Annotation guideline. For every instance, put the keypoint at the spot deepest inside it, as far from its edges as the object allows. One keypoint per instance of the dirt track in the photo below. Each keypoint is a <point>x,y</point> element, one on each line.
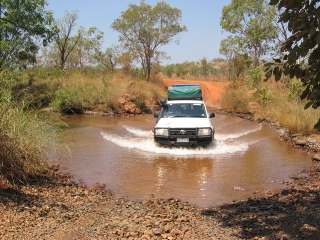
<point>212,91</point>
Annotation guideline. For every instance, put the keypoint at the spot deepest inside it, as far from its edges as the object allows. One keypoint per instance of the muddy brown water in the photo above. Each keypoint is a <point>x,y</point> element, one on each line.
<point>120,152</point>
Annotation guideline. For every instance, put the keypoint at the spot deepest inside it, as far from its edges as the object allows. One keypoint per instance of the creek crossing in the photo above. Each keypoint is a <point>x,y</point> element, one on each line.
<point>120,152</point>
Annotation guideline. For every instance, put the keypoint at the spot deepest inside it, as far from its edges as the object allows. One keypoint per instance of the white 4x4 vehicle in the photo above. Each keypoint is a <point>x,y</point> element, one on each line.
<point>183,119</point>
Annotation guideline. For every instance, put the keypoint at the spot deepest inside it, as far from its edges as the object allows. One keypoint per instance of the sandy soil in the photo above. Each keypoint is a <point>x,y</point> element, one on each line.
<point>212,91</point>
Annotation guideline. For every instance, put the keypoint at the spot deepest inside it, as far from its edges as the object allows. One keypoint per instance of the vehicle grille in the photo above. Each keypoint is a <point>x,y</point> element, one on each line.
<point>182,132</point>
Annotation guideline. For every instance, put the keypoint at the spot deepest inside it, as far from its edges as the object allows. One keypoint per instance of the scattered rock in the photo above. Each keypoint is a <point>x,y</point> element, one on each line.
<point>300,142</point>
<point>316,157</point>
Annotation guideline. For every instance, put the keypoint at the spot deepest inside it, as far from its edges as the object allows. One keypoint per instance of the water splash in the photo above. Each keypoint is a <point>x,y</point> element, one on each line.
<point>139,132</point>
<point>148,145</point>
<point>224,137</point>
<point>143,140</point>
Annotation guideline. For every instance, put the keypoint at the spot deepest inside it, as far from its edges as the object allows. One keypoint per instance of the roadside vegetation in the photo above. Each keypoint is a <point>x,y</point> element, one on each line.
<point>24,137</point>
<point>24,133</point>
<point>273,101</point>
<point>97,90</point>
<point>258,29</point>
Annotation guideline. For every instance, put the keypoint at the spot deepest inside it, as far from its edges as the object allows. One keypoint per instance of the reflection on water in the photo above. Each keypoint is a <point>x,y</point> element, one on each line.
<point>120,152</point>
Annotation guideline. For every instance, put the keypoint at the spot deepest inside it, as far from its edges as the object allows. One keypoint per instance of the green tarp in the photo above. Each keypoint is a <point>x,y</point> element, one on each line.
<point>185,92</point>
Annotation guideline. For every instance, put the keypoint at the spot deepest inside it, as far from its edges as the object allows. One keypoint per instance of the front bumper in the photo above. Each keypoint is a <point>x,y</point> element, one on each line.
<point>192,142</point>
<point>189,139</point>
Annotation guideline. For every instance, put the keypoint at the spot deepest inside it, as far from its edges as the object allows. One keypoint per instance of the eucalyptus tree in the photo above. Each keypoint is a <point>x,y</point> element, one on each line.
<point>89,42</point>
<point>64,39</point>
<point>252,26</point>
<point>24,26</point>
<point>109,58</point>
<point>144,29</point>
<point>238,60</point>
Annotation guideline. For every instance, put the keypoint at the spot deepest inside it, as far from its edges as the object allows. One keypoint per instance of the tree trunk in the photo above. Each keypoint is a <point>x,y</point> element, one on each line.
<point>256,60</point>
<point>148,68</point>
<point>62,61</point>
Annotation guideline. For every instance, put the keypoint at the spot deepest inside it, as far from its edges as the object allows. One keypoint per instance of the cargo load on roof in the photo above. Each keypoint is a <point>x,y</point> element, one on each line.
<point>185,92</point>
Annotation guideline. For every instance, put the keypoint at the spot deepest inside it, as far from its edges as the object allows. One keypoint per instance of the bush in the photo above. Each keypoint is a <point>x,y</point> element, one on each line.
<point>296,89</point>
<point>254,76</point>
<point>76,99</point>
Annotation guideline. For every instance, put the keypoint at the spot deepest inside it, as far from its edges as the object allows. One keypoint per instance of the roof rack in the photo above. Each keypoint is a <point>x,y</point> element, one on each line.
<point>181,85</point>
<point>185,92</point>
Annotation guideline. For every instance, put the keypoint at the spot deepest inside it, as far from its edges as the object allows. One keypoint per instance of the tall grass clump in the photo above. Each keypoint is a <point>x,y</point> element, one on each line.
<point>294,117</point>
<point>279,101</point>
<point>235,99</point>
<point>24,136</point>
<point>148,93</point>
<point>284,105</point>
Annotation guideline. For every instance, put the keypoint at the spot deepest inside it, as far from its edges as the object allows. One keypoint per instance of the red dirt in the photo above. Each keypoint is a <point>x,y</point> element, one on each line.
<point>212,91</point>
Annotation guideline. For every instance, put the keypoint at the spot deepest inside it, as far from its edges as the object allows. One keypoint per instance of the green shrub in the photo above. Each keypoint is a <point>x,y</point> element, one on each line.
<point>254,76</point>
<point>76,99</point>
<point>263,95</point>
<point>296,88</point>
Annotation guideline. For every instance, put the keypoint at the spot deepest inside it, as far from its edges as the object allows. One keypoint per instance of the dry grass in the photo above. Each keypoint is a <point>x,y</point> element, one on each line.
<point>235,99</point>
<point>79,92</point>
<point>275,103</point>
<point>290,114</point>
<point>295,118</point>
<point>24,136</point>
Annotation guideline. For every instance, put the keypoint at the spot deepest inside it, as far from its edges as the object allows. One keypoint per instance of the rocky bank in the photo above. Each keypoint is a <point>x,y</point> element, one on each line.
<point>56,208</point>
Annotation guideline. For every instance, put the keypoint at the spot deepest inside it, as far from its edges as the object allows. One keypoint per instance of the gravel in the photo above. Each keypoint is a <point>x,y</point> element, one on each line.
<point>56,208</point>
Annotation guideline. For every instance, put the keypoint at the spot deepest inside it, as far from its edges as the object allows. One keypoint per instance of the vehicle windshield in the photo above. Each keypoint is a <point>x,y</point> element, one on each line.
<point>184,110</point>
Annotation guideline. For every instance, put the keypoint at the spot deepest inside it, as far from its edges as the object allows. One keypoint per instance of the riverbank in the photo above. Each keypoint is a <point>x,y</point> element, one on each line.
<point>56,208</point>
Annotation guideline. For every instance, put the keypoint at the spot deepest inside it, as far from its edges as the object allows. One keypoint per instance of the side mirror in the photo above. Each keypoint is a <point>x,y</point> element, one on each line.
<point>163,101</point>
<point>212,115</point>
<point>156,115</point>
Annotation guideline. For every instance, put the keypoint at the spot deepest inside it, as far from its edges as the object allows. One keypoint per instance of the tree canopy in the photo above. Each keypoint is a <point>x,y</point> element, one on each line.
<point>251,25</point>
<point>144,28</point>
<point>301,50</point>
<point>64,40</point>
<point>22,25</point>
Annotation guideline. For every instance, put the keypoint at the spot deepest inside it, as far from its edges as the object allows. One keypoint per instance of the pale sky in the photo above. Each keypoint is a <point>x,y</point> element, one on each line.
<point>201,17</point>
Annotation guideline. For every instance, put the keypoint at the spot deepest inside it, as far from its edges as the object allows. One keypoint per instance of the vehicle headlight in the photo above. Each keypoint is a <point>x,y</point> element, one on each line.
<point>161,132</point>
<point>204,132</point>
